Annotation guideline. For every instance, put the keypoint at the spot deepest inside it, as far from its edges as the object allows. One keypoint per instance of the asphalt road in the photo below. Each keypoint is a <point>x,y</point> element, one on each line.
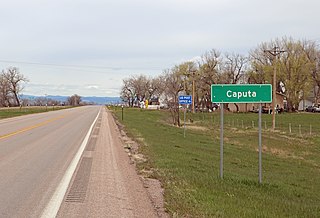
<point>68,163</point>
<point>35,152</point>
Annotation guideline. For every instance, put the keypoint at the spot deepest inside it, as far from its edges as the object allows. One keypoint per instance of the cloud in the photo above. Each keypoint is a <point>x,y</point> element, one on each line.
<point>92,87</point>
<point>134,37</point>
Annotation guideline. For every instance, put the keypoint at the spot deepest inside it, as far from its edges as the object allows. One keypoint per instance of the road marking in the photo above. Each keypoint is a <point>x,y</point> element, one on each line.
<point>54,204</point>
<point>30,127</point>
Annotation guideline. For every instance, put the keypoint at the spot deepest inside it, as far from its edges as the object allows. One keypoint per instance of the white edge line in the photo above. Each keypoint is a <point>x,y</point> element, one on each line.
<point>54,204</point>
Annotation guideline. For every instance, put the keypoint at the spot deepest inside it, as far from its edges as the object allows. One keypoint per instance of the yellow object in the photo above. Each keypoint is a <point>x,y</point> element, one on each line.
<point>147,103</point>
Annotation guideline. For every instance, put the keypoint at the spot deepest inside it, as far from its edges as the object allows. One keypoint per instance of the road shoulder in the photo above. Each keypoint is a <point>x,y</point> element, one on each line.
<point>106,183</point>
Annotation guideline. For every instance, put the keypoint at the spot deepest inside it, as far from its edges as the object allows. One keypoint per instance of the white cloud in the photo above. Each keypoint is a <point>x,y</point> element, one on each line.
<point>92,87</point>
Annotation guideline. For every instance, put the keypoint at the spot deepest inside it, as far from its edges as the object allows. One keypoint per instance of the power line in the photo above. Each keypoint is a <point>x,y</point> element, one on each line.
<point>79,66</point>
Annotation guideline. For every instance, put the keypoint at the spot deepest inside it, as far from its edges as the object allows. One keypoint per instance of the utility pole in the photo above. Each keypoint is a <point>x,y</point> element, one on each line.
<point>275,52</point>
<point>192,72</point>
<point>316,89</point>
<point>193,93</point>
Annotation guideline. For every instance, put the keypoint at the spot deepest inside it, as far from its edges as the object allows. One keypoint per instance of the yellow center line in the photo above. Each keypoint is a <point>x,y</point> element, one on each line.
<point>30,127</point>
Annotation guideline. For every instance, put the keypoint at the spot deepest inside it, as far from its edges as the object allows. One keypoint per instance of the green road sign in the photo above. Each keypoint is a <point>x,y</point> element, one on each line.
<point>243,93</point>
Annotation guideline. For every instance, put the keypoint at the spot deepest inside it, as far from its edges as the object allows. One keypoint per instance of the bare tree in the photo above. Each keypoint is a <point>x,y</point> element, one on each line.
<point>140,88</point>
<point>127,92</point>
<point>4,91</point>
<point>234,68</point>
<point>154,88</point>
<point>25,102</point>
<point>208,74</point>
<point>173,85</point>
<point>74,100</point>
<point>14,79</point>
<point>52,102</point>
<point>208,67</point>
<point>139,84</point>
<point>40,101</point>
<point>261,64</point>
<point>135,89</point>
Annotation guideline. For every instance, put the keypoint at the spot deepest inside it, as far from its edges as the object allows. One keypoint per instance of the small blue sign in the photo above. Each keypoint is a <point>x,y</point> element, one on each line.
<point>185,99</point>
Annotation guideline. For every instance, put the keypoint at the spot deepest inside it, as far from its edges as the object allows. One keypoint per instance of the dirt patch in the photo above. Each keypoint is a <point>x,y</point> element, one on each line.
<point>191,126</point>
<point>199,128</point>
<point>277,151</point>
<point>289,137</point>
<point>156,192</point>
<point>153,186</point>
<point>280,152</point>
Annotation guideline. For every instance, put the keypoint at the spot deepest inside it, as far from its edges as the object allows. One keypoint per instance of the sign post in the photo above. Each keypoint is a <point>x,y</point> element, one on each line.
<point>122,112</point>
<point>185,99</point>
<point>184,123</point>
<point>260,145</point>
<point>221,140</point>
<point>244,93</point>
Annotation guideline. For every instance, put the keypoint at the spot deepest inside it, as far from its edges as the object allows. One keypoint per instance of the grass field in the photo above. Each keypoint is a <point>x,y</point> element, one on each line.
<point>189,167</point>
<point>17,111</point>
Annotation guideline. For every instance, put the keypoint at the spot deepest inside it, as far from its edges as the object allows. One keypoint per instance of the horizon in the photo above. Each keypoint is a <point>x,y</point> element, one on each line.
<point>24,94</point>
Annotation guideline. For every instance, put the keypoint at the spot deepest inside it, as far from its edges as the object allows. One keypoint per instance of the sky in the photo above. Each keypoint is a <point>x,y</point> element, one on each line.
<point>87,47</point>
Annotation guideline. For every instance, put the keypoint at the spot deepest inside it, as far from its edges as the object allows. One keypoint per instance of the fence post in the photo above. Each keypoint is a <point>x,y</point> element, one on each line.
<point>122,112</point>
<point>252,124</point>
<point>310,129</point>
<point>290,128</point>
<point>300,130</point>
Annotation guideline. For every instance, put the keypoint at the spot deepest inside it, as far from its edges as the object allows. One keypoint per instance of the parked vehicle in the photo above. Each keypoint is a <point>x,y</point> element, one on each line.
<point>267,110</point>
<point>314,108</point>
<point>310,109</point>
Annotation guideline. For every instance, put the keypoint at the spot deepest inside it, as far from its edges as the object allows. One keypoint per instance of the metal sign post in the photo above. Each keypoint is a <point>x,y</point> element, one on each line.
<point>122,112</point>
<point>244,93</point>
<point>185,100</point>
<point>221,140</point>
<point>260,145</point>
<point>184,123</point>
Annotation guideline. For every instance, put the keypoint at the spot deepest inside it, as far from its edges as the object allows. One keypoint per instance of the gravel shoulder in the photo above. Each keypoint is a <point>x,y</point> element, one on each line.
<point>106,183</point>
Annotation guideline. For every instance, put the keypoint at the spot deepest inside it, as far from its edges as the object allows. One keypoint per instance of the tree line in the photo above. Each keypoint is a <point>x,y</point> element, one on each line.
<point>74,100</point>
<point>298,73</point>
<point>11,86</point>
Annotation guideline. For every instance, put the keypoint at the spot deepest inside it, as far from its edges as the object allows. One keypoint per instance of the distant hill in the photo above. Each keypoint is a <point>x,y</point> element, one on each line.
<point>102,100</point>
<point>92,99</point>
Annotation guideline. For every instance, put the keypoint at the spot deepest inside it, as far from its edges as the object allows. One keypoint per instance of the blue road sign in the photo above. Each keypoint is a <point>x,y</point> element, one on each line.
<point>185,99</point>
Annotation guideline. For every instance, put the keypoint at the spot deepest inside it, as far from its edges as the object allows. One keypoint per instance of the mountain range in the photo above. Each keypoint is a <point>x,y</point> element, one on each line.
<point>89,99</point>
